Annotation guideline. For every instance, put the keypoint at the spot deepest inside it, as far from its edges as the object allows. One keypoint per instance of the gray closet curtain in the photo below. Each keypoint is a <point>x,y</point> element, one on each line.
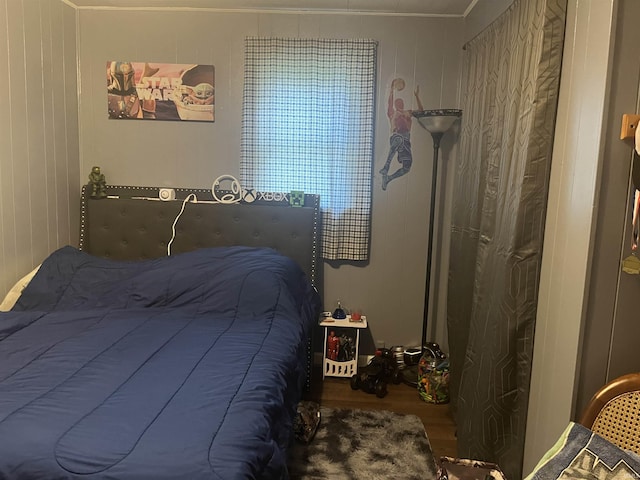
<point>510,89</point>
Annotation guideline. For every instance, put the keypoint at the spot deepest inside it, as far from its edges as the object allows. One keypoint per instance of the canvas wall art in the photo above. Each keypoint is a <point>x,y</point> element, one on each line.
<point>160,91</point>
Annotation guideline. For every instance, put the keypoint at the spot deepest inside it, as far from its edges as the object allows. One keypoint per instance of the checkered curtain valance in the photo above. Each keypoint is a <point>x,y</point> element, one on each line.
<point>307,124</point>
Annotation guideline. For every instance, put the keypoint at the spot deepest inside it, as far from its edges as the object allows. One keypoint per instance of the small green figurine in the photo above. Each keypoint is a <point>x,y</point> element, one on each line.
<point>97,183</point>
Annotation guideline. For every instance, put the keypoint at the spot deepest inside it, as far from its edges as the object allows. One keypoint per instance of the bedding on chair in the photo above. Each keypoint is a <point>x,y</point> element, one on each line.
<point>581,454</point>
<point>188,366</point>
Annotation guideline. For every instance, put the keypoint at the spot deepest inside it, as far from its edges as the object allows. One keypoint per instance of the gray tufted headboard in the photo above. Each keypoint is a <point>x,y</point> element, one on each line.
<point>130,226</point>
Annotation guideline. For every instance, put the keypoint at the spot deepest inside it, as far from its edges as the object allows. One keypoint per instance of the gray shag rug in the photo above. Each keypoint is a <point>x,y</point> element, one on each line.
<point>367,445</point>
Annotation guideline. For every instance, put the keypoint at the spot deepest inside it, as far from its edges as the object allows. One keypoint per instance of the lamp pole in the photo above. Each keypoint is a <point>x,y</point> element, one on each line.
<point>436,122</point>
<point>437,136</point>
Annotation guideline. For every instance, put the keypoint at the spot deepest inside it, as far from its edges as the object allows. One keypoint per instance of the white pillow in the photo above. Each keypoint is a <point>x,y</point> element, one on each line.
<point>14,294</point>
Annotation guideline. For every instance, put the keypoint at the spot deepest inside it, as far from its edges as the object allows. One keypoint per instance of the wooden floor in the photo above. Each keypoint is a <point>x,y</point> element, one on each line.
<point>437,419</point>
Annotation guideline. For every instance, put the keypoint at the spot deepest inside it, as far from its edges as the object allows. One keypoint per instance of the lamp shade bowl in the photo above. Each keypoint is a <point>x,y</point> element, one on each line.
<point>437,121</point>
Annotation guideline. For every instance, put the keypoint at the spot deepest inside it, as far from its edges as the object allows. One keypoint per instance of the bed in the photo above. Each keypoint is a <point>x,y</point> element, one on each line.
<point>121,362</point>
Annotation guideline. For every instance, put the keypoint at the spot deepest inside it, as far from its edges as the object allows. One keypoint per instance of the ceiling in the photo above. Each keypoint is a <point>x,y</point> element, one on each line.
<point>457,8</point>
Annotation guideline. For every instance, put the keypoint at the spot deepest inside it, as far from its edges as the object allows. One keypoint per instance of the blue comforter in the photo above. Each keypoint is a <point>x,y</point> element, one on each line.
<point>185,367</point>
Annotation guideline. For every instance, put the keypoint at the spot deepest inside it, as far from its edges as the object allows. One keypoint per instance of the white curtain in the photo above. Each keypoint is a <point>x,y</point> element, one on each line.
<point>307,125</point>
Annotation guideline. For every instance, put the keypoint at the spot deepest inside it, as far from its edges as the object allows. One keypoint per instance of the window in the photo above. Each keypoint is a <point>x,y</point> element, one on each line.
<point>308,118</point>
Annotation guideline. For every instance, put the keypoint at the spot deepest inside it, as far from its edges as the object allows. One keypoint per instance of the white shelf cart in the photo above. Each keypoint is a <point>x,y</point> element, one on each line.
<point>333,368</point>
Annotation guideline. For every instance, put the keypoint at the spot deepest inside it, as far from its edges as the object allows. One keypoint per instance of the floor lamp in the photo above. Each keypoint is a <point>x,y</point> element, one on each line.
<point>436,122</point>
